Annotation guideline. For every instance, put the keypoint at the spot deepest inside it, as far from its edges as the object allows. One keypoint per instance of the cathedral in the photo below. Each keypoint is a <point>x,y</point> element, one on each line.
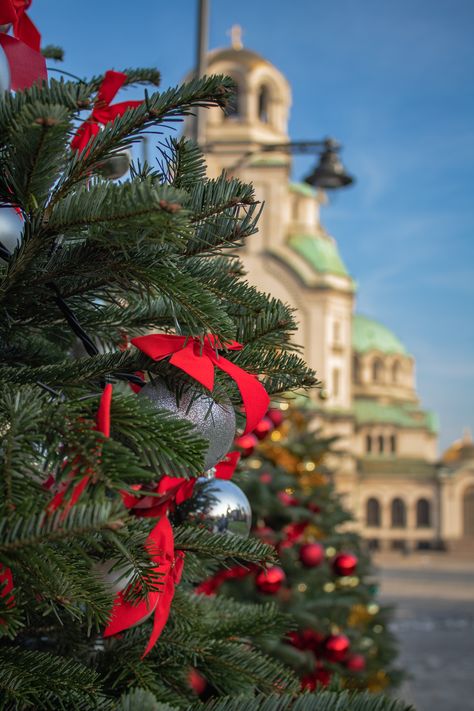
<point>401,494</point>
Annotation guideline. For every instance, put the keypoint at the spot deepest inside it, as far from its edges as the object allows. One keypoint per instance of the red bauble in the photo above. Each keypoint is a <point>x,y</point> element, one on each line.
<point>314,508</point>
<point>266,478</point>
<point>320,677</point>
<point>270,581</point>
<point>306,639</point>
<point>287,499</point>
<point>263,428</point>
<point>196,681</point>
<point>247,444</point>
<point>356,663</point>
<point>276,416</point>
<point>336,647</point>
<point>311,554</point>
<point>344,563</point>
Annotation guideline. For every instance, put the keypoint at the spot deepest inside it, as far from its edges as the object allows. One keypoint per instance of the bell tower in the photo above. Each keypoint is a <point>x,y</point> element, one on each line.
<point>257,116</point>
<point>292,257</point>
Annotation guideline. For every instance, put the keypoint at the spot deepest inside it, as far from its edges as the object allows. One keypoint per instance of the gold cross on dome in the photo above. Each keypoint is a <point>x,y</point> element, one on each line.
<point>235,33</point>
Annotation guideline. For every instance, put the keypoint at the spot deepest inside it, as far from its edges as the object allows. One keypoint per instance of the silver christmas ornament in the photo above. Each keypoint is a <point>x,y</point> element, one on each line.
<point>116,166</point>
<point>11,228</point>
<point>5,77</point>
<point>214,422</point>
<point>115,578</point>
<point>219,506</point>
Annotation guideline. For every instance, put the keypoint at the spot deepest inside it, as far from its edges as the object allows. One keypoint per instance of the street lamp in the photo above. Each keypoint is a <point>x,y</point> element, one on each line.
<point>329,173</point>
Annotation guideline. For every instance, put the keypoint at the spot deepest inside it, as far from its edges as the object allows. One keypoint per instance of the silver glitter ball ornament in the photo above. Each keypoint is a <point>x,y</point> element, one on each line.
<point>219,506</point>
<point>214,421</point>
<point>5,77</point>
<point>11,228</point>
<point>113,576</point>
<point>116,166</point>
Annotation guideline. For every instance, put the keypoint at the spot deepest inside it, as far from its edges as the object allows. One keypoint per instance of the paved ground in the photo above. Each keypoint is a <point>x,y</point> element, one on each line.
<point>434,622</point>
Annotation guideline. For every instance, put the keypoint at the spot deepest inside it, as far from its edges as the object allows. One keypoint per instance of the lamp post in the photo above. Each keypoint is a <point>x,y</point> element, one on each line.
<point>201,59</point>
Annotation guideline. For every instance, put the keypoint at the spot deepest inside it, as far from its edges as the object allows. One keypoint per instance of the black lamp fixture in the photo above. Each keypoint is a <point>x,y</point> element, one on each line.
<point>329,173</point>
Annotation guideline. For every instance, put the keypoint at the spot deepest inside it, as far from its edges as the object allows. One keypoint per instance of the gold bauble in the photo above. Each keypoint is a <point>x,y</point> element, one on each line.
<point>359,616</point>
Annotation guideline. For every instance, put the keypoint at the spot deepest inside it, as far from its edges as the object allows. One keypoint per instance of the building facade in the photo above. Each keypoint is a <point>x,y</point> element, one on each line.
<point>402,496</point>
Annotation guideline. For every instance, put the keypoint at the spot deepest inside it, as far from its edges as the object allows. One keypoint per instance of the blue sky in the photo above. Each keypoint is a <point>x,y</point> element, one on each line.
<point>393,81</point>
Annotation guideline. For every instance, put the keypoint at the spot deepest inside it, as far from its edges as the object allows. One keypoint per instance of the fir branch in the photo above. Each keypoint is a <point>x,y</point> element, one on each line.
<point>31,677</point>
<point>229,547</point>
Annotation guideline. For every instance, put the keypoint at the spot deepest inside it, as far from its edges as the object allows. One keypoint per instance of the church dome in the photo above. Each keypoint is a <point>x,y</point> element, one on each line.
<point>460,451</point>
<point>319,252</point>
<point>244,57</point>
<point>369,335</point>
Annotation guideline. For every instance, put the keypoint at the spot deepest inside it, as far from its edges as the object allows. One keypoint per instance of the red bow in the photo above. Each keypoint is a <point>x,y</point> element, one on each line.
<point>26,63</point>
<point>173,490</point>
<point>103,112</point>
<point>125,614</point>
<point>102,425</point>
<point>14,12</point>
<point>198,359</point>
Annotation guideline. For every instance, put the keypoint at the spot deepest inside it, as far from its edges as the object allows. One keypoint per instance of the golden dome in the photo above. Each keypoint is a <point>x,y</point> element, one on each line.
<point>460,450</point>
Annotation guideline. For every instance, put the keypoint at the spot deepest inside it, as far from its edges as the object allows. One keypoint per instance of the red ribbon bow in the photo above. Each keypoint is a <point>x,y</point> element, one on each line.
<point>198,359</point>
<point>14,12</point>
<point>103,112</point>
<point>103,426</point>
<point>173,490</point>
<point>26,63</point>
<point>125,614</point>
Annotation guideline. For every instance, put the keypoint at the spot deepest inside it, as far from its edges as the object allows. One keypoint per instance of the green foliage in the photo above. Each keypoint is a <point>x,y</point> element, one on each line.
<point>152,252</point>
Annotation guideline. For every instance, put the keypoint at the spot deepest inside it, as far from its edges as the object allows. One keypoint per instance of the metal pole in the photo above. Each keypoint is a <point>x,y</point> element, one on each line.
<point>201,59</point>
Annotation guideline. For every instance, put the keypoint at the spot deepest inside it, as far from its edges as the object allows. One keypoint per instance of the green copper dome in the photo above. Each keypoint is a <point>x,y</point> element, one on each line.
<point>369,335</point>
<point>319,252</point>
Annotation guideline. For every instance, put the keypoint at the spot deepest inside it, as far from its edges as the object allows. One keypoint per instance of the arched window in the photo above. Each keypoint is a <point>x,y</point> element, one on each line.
<point>396,371</point>
<point>399,514</point>
<point>381,443</point>
<point>368,444</point>
<point>377,370</point>
<point>423,513</point>
<point>373,513</point>
<point>393,444</point>
<point>233,108</point>
<point>263,104</point>
<point>356,369</point>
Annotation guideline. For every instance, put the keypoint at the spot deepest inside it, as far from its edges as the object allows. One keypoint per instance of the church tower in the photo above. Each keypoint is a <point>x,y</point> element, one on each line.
<point>386,468</point>
<point>292,257</point>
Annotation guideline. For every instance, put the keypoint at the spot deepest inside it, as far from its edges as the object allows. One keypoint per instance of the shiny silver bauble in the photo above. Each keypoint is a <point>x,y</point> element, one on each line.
<point>214,422</point>
<point>116,166</point>
<point>219,506</point>
<point>114,577</point>
<point>5,78</point>
<point>11,228</point>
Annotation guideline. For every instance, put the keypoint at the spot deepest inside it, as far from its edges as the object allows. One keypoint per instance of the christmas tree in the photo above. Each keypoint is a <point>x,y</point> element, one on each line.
<point>131,348</point>
<point>323,579</point>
